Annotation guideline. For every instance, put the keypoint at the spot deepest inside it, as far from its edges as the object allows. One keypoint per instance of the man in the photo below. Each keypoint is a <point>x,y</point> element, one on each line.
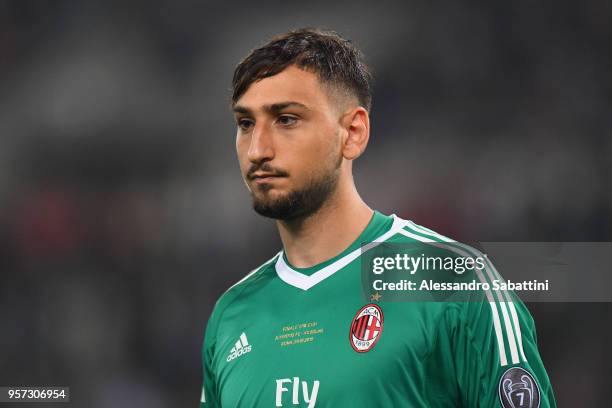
<point>298,331</point>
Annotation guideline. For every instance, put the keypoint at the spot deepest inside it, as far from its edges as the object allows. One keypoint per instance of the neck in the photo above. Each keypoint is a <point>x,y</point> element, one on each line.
<point>327,232</point>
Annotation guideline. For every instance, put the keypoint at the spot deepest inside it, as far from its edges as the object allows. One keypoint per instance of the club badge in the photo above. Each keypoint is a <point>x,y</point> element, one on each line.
<point>518,389</point>
<point>366,328</point>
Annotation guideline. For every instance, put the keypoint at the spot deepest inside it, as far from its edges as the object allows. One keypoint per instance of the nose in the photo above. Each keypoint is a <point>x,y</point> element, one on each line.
<point>261,148</point>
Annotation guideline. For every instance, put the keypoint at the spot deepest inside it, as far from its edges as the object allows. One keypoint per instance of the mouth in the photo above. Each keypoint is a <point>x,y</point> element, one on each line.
<point>264,178</point>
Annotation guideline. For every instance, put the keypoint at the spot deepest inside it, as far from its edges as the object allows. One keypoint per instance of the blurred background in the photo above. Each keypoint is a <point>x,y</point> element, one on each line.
<point>123,215</point>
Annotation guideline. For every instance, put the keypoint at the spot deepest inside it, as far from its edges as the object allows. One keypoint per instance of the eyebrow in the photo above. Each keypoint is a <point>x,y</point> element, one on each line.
<point>272,108</point>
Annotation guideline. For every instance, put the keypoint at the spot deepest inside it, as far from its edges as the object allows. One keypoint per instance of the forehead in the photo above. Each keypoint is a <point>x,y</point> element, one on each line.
<point>291,84</point>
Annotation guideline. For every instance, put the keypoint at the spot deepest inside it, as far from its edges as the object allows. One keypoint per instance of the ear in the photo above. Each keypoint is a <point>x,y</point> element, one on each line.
<point>356,123</point>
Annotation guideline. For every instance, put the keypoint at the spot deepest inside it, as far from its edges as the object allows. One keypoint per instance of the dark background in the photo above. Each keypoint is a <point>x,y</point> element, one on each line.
<point>123,215</point>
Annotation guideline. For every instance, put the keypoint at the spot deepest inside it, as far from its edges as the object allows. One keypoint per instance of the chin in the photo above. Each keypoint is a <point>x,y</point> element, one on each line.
<point>269,196</point>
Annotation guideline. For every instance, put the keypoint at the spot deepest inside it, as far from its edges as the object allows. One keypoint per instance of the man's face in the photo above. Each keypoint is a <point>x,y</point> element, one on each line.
<point>288,143</point>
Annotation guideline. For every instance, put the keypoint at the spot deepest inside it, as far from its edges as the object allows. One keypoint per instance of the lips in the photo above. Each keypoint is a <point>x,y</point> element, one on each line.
<point>263,175</point>
<point>264,178</point>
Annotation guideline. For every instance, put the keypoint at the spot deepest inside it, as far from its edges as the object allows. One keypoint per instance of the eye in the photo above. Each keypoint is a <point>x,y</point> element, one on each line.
<point>245,124</point>
<point>287,120</point>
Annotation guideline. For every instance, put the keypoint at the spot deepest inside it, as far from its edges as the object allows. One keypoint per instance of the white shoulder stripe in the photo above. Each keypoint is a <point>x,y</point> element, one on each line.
<point>493,274</point>
<point>496,322</point>
<point>518,329</point>
<point>503,300</point>
<point>503,361</point>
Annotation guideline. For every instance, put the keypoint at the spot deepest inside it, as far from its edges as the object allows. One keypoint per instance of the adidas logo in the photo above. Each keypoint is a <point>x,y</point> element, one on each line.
<point>241,347</point>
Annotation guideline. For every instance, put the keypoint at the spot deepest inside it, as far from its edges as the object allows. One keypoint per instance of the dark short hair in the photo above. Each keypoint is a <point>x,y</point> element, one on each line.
<point>335,60</point>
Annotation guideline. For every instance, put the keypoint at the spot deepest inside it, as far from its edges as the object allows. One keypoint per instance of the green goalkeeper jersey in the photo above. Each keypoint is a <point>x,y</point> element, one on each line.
<point>308,337</point>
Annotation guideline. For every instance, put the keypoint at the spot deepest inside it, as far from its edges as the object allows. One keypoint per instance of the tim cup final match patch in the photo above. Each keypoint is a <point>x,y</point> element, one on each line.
<point>366,328</point>
<point>518,389</point>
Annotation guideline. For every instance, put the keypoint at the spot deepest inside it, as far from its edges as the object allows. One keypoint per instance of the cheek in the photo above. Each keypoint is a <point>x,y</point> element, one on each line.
<point>239,144</point>
<point>241,152</point>
<point>328,151</point>
<point>319,142</point>
<point>317,156</point>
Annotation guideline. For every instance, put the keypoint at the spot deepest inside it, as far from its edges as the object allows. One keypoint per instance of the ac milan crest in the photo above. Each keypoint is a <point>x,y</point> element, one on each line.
<point>366,328</point>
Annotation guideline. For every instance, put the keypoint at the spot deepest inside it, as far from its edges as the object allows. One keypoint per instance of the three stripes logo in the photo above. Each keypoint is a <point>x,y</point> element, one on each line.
<point>241,347</point>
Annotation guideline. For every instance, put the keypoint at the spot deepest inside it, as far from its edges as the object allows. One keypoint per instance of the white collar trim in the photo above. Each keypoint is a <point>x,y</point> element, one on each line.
<point>305,282</point>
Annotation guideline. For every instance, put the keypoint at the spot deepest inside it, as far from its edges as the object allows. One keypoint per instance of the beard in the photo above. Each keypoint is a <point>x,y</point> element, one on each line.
<point>299,203</point>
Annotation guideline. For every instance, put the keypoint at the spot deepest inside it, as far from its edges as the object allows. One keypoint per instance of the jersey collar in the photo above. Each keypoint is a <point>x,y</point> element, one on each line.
<point>326,269</point>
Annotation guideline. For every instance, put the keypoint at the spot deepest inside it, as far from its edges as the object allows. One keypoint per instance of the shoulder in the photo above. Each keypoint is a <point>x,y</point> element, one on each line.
<point>404,230</point>
<point>498,316</point>
<point>249,279</point>
<point>413,232</point>
<point>252,278</point>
